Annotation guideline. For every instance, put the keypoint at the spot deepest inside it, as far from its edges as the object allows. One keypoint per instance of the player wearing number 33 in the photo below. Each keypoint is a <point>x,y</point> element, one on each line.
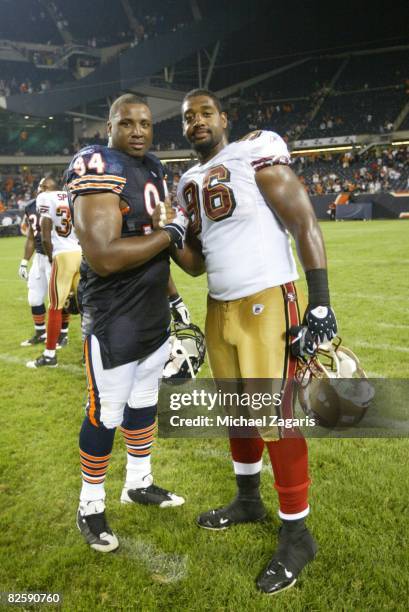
<point>241,199</point>
<point>125,238</point>
<point>62,248</point>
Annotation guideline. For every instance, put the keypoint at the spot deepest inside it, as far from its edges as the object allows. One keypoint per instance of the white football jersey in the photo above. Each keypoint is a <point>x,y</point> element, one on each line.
<point>54,205</point>
<point>245,246</point>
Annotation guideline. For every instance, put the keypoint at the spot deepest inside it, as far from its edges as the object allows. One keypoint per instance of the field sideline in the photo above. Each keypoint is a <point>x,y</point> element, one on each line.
<point>359,497</point>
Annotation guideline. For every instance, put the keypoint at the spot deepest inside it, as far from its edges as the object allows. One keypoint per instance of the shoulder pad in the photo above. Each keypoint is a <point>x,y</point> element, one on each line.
<point>264,148</point>
<point>251,135</point>
<point>95,169</point>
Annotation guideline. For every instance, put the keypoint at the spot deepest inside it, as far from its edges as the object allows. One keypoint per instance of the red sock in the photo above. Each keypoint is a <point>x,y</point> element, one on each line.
<point>289,458</point>
<point>53,328</point>
<point>246,450</point>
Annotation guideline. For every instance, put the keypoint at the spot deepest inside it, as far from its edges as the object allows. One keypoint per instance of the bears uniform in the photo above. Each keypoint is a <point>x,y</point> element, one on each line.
<point>32,219</point>
<point>129,311</point>
<point>38,277</point>
<point>126,319</point>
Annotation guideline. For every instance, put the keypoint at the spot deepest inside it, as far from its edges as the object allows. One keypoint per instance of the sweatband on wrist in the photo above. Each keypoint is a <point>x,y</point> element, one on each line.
<point>318,290</point>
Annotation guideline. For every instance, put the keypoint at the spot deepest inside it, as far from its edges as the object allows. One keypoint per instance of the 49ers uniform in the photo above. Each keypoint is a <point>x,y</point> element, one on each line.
<point>66,249</point>
<point>252,303</point>
<point>249,262</point>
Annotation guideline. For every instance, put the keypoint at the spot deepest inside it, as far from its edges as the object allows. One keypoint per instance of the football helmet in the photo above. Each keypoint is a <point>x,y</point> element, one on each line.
<point>332,386</point>
<point>187,353</point>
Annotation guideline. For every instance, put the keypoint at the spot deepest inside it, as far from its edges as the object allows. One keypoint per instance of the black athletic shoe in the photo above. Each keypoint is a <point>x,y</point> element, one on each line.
<point>91,522</point>
<point>62,341</point>
<point>151,495</point>
<point>43,361</point>
<point>238,511</point>
<point>296,548</point>
<point>36,339</point>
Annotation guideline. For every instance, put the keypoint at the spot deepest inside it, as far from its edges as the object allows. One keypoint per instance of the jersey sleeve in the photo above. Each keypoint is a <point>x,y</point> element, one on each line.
<point>45,205</point>
<point>96,170</point>
<point>265,149</point>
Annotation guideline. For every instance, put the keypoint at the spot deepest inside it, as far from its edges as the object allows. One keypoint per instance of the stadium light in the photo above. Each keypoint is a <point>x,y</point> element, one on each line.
<point>26,116</point>
<point>175,159</point>
<point>325,149</point>
<point>51,117</point>
<point>398,143</point>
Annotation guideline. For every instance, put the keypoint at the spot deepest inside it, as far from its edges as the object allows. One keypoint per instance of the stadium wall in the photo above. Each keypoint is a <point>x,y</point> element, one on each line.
<point>385,205</point>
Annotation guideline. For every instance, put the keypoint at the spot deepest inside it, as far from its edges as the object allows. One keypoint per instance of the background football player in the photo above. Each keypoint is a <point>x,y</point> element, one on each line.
<point>39,275</point>
<point>62,248</point>
<point>125,238</point>
<point>241,199</point>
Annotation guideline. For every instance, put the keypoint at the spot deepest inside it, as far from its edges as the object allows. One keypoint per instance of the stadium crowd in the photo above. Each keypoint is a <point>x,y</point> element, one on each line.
<point>377,170</point>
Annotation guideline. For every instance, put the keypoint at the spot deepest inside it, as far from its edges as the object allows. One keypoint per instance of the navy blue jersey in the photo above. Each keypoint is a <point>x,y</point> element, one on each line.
<point>128,311</point>
<point>33,220</point>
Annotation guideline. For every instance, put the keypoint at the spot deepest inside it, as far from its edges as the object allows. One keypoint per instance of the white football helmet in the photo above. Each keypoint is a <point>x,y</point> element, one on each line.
<point>187,354</point>
<point>333,387</point>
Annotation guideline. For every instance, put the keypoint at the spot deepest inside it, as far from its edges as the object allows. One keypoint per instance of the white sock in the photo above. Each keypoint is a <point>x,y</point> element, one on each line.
<point>49,353</point>
<point>138,472</point>
<point>92,492</point>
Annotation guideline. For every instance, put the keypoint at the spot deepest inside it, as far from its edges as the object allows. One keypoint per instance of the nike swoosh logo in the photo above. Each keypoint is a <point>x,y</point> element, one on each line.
<point>223,521</point>
<point>288,574</point>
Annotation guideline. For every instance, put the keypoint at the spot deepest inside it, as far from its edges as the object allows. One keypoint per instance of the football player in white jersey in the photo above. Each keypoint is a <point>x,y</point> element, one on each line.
<point>243,200</point>
<point>64,253</point>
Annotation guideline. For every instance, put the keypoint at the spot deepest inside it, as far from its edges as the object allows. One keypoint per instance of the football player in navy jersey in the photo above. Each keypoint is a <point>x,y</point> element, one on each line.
<point>39,275</point>
<point>125,237</point>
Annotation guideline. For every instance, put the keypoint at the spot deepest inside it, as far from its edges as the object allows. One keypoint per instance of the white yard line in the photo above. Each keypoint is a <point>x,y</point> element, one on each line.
<point>381,347</point>
<point>164,567</point>
<point>66,367</point>
<point>392,325</point>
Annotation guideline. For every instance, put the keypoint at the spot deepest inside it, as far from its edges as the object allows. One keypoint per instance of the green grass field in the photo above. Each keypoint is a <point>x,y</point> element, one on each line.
<point>359,497</point>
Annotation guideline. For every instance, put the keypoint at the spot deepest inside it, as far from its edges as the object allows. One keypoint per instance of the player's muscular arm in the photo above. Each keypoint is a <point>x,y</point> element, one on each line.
<point>98,224</point>
<point>46,226</point>
<point>287,197</point>
<point>190,258</point>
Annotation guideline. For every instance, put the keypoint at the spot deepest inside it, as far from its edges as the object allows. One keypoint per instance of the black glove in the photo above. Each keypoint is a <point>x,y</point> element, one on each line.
<point>179,310</point>
<point>177,229</point>
<point>319,316</point>
<point>321,322</point>
<point>302,343</point>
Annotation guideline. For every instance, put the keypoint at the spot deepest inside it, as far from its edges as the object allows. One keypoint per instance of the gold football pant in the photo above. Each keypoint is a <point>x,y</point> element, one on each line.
<point>65,274</point>
<point>248,339</point>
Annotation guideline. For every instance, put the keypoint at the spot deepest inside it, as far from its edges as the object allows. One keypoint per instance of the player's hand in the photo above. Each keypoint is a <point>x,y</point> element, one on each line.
<point>179,310</point>
<point>22,271</point>
<point>302,342</point>
<point>321,322</point>
<point>177,228</point>
<point>163,213</point>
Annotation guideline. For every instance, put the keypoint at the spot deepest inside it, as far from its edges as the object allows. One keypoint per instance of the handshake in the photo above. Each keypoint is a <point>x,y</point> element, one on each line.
<point>173,221</point>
